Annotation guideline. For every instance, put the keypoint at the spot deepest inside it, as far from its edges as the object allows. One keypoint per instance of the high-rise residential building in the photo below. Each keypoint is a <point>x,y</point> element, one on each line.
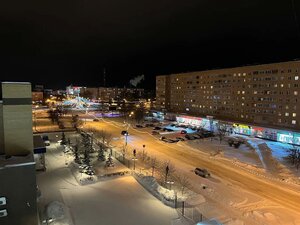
<point>266,94</point>
<point>17,166</point>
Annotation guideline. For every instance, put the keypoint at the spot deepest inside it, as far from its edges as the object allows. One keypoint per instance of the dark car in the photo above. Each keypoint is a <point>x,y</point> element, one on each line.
<point>180,138</point>
<point>162,138</point>
<point>139,126</point>
<point>189,137</point>
<point>124,132</point>
<point>149,125</point>
<point>183,131</point>
<point>154,132</point>
<point>169,130</point>
<point>157,128</point>
<point>202,172</point>
<point>96,120</point>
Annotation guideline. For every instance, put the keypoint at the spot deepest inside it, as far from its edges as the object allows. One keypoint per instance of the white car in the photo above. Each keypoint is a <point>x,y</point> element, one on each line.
<point>47,142</point>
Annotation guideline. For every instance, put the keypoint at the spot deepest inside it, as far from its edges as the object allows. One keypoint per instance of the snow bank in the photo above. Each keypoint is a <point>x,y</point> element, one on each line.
<point>151,185</point>
<point>163,194</point>
<point>279,150</point>
<point>57,214</point>
<point>55,210</point>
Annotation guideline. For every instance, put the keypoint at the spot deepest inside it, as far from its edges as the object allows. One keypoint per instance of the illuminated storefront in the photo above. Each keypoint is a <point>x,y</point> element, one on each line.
<point>242,129</point>
<point>197,122</point>
<point>288,137</point>
<point>260,132</point>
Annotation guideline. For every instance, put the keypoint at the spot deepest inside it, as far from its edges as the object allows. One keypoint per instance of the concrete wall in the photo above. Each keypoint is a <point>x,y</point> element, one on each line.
<point>1,133</point>
<point>18,185</point>
<point>17,118</point>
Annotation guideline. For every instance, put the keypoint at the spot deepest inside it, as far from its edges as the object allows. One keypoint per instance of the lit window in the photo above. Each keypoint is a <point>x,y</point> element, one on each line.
<point>296,77</point>
<point>242,116</point>
<point>275,85</point>
<point>295,92</point>
<point>211,87</point>
<point>287,114</point>
<point>281,85</point>
<point>294,122</point>
<point>294,114</point>
<point>243,104</point>
<point>279,120</point>
<point>255,92</point>
<point>238,92</point>
<point>243,92</point>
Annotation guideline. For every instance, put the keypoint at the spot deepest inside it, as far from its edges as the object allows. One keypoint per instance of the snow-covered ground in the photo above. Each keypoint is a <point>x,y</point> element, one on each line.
<point>110,202</point>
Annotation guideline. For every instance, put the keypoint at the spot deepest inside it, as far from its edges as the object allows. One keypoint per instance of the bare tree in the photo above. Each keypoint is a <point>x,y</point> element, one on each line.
<point>124,152</point>
<point>140,113</point>
<point>154,165</point>
<point>183,182</point>
<point>222,130</point>
<point>294,156</point>
<point>76,122</point>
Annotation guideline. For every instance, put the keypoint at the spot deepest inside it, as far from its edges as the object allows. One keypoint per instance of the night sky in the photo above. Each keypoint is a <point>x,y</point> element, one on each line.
<point>71,41</point>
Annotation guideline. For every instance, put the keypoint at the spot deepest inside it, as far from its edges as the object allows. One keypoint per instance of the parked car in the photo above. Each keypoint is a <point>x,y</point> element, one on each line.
<point>96,120</point>
<point>183,131</point>
<point>202,172</point>
<point>139,126</point>
<point>169,130</point>
<point>124,132</point>
<point>180,138</point>
<point>157,128</point>
<point>199,135</point>
<point>189,137</point>
<point>46,140</point>
<point>149,125</point>
<point>154,132</point>
<point>162,138</point>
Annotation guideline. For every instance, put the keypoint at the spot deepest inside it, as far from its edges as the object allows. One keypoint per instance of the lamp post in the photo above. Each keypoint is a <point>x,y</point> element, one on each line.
<point>170,182</point>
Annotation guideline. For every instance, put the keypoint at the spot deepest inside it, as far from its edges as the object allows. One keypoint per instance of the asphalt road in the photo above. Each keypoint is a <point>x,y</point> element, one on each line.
<point>284,195</point>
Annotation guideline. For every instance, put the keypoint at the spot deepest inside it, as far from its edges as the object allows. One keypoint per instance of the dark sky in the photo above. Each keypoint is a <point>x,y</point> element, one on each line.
<point>71,41</point>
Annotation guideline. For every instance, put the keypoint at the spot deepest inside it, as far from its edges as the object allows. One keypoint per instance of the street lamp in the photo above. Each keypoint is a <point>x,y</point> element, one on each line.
<point>170,182</point>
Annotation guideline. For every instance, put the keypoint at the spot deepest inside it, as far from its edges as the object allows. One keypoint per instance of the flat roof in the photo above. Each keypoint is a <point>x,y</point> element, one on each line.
<point>15,161</point>
<point>10,82</point>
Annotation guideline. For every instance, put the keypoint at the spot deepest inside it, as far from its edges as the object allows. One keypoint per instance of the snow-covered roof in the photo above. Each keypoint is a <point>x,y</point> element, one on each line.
<point>16,161</point>
<point>10,82</point>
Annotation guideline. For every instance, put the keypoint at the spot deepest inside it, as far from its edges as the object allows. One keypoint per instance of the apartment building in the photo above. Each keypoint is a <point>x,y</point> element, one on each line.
<point>266,94</point>
<point>106,94</point>
<point>17,166</point>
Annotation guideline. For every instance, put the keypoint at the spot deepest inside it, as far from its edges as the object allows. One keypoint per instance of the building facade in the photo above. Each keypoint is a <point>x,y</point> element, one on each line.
<point>18,203</point>
<point>267,94</point>
<point>106,94</point>
<point>37,96</point>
